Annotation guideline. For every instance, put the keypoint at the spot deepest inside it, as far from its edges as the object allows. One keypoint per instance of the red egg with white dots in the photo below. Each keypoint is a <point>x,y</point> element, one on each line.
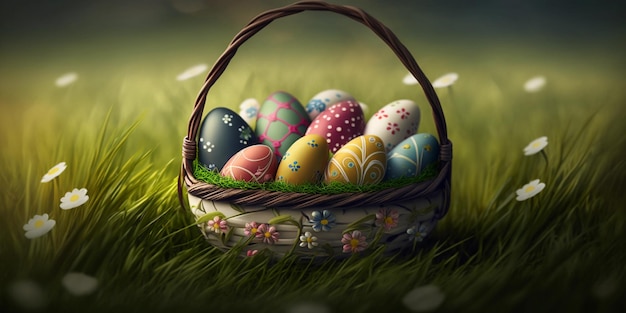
<point>339,124</point>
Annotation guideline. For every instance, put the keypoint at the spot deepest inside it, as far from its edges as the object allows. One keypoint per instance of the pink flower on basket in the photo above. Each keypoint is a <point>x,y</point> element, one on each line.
<point>218,225</point>
<point>252,229</point>
<point>353,242</point>
<point>387,218</point>
<point>268,233</point>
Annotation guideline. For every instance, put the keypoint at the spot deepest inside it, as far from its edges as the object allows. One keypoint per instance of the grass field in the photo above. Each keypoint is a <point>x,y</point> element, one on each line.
<point>119,128</point>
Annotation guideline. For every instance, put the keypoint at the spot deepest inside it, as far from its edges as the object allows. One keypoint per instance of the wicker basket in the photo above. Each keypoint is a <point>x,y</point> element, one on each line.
<point>335,220</point>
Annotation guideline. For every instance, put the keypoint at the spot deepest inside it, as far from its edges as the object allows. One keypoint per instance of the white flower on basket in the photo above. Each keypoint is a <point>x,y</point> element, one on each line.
<point>530,190</point>
<point>79,284</point>
<point>192,72</point>
<point>248,110</point>
<point>54,172</point>
<point>75,198</point>
<point>66,79</point>
<point>409,79</point>
<point>38,226</point>
<point>536,145</point>
<point>446,80</point>
<point>308,240</point>
<point>535,84</point>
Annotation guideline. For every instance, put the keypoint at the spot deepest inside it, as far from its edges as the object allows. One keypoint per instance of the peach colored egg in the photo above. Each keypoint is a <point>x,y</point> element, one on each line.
<point>255,163</point>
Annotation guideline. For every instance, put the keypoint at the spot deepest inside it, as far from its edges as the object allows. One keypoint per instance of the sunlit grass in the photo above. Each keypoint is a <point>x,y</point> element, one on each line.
<point>120,130</point>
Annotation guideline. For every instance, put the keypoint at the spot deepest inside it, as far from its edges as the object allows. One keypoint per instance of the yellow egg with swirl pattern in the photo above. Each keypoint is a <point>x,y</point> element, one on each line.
<point>362,161</point>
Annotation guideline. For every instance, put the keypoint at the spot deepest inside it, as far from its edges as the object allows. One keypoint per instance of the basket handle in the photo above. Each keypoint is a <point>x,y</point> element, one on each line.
<point>264,19</point>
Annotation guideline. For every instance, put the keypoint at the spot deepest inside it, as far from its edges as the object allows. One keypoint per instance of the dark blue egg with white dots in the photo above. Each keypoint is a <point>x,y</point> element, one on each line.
<point>325,99</point>
<point>222,134</point>
<point>411,156</point>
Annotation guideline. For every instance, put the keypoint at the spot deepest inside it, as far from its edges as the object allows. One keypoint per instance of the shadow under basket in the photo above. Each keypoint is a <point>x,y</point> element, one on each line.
<point>317,225</point>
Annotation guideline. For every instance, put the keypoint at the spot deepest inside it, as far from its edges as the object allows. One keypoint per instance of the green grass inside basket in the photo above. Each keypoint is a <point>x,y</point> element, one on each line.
<point>213,177</point>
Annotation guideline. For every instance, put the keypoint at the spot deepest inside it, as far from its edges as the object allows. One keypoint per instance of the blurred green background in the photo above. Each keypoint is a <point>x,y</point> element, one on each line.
<point>127,55</point>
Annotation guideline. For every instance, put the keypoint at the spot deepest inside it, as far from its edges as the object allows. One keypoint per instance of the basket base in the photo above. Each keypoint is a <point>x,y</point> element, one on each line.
<point>316,232</point>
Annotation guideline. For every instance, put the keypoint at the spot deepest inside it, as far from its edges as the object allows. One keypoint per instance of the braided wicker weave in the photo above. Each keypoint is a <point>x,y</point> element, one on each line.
<point>414,208</point>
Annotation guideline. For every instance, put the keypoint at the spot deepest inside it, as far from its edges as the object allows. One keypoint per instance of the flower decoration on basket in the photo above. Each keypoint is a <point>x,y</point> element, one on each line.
<point>321,179</point>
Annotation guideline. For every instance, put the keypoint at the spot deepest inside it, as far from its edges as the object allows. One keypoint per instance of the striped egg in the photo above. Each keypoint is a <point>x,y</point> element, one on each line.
<point>255,163</point>
<point>361,161</point>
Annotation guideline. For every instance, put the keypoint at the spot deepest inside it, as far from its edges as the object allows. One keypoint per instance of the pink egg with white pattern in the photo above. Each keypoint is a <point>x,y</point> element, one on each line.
<point>339,124</point>
<point>256,163</point>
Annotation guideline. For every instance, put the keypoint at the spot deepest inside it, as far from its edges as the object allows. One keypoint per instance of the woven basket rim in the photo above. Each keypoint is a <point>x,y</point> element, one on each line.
<point>267,198</point>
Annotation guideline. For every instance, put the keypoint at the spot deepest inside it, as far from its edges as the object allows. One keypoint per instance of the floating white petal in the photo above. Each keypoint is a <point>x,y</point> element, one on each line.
<point>530,190</point>
<point>424,298</point>
<point>28,295</point>
<point>308,307</point>
<point>445,80</point>
<point>38,226</point>
<point>409,79</point>
<point>54,172</point>
<point>66,79</point>
<point>75,198</point>
<point>79,284</point>
<point>536,145</point>
<point>535,84</point>
<point>192,72</point>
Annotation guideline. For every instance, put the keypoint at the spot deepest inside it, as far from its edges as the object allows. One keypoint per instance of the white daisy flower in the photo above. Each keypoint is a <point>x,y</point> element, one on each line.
<point>308,240</point>
<point>28,295</point>
<point>536,145</point>
<point>192,72</point>
<point>38,226</point>
<point>535,84</point>
<point>66,79</point>
<point>409,79</point>
<point>424,299</point>
<point>75,198</point>
<point>530,190</point>
<point>54,172</point>
<point>446,80</point>
<point>248,110</point>
<point>79,284</point>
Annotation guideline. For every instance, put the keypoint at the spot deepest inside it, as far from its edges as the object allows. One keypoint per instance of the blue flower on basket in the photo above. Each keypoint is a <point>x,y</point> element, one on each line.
<point>418,233</point>
<point>322,221</point>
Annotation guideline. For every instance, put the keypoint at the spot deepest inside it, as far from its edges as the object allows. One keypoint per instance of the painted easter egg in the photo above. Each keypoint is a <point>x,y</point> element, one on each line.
<point>325,99</point>
<point>280,122</point>
<point>339,124</point>
<point>304,162</point>
<point>394,122</point>
<point>255,163</point>
<point>411,156</point>
<point>361,161</point>
<point>222,134</point>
